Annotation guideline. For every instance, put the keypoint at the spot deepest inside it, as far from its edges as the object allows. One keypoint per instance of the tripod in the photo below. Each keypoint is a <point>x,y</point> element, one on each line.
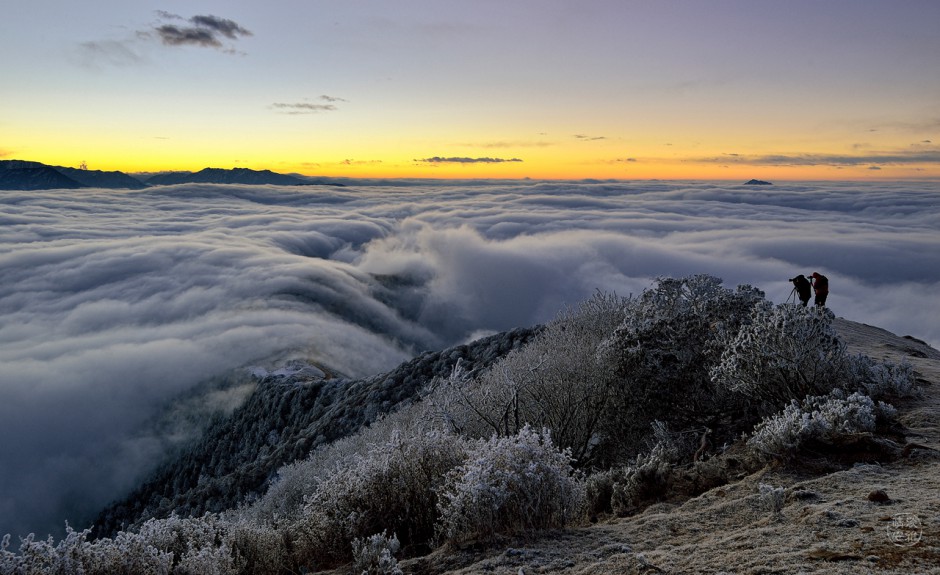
<point>792,298</point>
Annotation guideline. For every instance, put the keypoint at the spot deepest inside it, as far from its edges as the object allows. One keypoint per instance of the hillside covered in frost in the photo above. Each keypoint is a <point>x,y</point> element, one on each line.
<point>617,406</point>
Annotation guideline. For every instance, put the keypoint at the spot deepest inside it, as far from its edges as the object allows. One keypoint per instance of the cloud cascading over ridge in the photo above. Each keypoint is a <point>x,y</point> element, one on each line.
<point>114,303</point>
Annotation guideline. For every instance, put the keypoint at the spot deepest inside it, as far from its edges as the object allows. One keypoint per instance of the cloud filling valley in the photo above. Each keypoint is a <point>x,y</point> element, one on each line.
<point>114,303</point>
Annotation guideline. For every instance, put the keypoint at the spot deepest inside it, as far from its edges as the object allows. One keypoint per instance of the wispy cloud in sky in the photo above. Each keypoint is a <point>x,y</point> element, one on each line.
<point>205,31</point>
<point>503,144</point>
<point>920,155</point>
<point>110,52</point>
<point>465,160</point>
<point>171,30</point>
<point>307,107</point>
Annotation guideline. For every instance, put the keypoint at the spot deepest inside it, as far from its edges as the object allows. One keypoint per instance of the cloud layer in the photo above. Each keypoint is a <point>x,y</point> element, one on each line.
<point>114,303</point>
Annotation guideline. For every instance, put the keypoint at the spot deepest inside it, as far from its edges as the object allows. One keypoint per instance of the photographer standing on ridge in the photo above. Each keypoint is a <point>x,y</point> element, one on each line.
<point>821,287</point>
<point>802,287</point>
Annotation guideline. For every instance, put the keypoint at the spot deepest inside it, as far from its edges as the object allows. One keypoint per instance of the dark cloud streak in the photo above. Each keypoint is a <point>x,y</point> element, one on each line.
<point>306,107</point>
<point>464,160</point>
<point>303,108</point>
<point>205,31</point>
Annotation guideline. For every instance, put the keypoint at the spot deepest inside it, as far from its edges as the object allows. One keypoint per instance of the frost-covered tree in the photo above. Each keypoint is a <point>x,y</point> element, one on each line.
<point>783,353</point>
<point>557,382</point>
<point>662,353</point>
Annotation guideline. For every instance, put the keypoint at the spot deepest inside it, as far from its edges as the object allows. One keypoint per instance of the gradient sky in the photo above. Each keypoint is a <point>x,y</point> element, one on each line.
<point>835,89</point>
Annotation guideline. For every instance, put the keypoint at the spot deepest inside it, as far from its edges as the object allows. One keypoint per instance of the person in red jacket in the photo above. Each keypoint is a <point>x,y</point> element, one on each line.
<point>821,287</point>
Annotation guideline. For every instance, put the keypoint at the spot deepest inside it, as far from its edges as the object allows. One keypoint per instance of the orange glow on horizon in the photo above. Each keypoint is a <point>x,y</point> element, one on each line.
<point>549,163</point>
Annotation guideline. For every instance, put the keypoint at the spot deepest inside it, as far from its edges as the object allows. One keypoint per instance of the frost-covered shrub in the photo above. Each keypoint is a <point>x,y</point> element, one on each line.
<point>259,548</point>
<point>198,544</point>
<point>784,353</point>
<point>557,381</point>
<point>817,418</point>
<point>648,476</point>
<point>375,555</point>
<point>73,554</point>
<point>662,354</point>
<point>164,547</point>
<point>882,379</point>
<point>773,497</point>
<point>646,479</point>
<point>394,486</point>
<point>510,485</point>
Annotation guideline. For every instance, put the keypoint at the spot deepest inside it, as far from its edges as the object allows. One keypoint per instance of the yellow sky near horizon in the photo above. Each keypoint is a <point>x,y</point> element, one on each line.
<point>544,90</point>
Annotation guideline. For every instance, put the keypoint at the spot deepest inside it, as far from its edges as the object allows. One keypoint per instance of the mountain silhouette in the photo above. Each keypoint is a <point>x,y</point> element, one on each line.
<point>243,176</point>
<point>26,175</point>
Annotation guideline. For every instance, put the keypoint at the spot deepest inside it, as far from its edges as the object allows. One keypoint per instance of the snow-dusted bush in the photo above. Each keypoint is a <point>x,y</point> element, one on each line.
<point>259,548</point>
<point>784,353</point>
<point>773,497</point>
<point>884,378</point>
<point>817,418</point>
<point>199,544</point>
<point>393,486</point>
<point>647,477</point>
<point>556,382</point>
<point>375,555</point>
<point>662,353</point>
<point>171,546</point>
<point>510,485</point>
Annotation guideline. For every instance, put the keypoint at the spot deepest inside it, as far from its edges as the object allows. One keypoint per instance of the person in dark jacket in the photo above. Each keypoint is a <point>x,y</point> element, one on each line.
<point>803,288</point>
<point>821,287</point>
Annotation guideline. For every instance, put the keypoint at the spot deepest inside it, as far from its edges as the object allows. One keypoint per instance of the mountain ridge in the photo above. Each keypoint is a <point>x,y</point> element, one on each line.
<point>227,176</point>
<point>283,420</point>
<point>28,175</point>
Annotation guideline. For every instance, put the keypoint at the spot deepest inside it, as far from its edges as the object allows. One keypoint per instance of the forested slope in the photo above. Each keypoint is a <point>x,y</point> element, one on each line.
<point>282,421</point>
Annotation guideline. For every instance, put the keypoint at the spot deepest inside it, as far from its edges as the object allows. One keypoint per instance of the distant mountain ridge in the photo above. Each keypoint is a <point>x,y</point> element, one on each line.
<point>27,175</point>
<point>222,176</point>
<point>34,178</point>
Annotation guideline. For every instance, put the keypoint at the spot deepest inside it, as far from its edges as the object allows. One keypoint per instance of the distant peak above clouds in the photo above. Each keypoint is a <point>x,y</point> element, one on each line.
<point>26,175</point>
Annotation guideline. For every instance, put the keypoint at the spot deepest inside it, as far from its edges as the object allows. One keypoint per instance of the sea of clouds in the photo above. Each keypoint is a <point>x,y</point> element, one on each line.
<point>113,303</point>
